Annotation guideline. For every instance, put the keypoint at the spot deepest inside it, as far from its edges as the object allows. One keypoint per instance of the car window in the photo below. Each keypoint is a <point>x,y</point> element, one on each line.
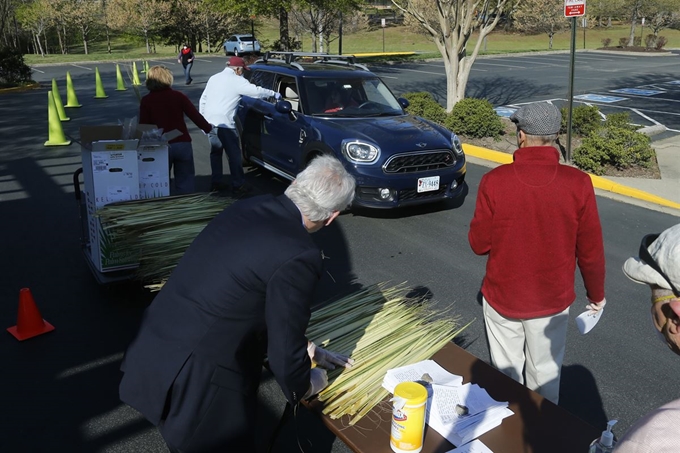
<point>262,79</point>
<point>247,38</point>
<point>288,88</point>
<point>350,97</point>
<point>233,38</point>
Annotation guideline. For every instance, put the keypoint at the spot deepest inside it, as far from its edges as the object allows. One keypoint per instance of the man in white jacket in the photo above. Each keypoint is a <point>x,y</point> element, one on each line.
<point>218,105</point>
<point>658,265</point>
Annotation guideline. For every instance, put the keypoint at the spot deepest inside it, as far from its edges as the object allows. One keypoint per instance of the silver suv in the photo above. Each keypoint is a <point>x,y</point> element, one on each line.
<point>241,44</point>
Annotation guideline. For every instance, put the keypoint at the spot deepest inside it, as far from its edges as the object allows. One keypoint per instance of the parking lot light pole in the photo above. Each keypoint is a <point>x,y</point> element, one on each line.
<point>567,156</point>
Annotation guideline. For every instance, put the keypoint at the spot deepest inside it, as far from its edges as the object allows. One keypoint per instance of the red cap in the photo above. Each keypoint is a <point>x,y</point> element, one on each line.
<point>237,62</point>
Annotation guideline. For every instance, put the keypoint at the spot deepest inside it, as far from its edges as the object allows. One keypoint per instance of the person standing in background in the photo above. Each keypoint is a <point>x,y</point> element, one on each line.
<point>218,104</point>
<point>536,220</point>
<point>186,57</point>
<point>166,108</point>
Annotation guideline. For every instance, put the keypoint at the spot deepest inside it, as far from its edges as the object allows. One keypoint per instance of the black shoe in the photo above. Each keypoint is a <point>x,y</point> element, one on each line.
<point>189,82</point>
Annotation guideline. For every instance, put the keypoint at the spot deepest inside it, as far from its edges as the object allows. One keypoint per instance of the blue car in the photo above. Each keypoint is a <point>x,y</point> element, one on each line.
<point>331,104</point>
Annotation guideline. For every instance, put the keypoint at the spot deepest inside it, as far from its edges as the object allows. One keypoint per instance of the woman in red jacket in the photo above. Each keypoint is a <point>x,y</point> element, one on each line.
<point>166,108</point>
<point>186,57</point>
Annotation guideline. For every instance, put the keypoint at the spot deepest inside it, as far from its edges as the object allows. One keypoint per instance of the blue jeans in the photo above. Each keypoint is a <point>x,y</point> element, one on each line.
<point>187,71</point>
<point>227,140</point>
<point>181,160</point>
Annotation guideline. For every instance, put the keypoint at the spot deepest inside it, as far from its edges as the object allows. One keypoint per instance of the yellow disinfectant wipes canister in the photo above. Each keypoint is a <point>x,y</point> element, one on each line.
<point>408,417</point>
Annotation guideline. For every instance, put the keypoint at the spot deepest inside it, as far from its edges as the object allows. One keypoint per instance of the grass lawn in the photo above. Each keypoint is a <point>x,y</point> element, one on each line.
<point>391,39</point>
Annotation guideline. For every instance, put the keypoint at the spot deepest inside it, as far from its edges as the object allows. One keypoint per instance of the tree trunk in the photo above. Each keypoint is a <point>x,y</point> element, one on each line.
<point>631,37</point>
<point>63,26</point>
<point>45,39</point>
<point>146,40</point>
<point>82,29</point>
<point>207,32</point>
<point>550,35</point>
<point>39,46</point>
<point>61,43</point>
<point>284,35</point>
<point>609,22</point>
<point>108,40</point>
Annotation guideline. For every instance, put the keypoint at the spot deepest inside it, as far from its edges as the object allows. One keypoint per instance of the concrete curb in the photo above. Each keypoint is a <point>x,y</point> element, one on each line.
<point>32,86</point>
<point>598,181</point>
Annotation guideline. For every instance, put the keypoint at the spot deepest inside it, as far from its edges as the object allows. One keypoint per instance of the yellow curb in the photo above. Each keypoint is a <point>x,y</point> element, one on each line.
<point>380,54</point>
<point>32,86</point>
<point>598,181</point>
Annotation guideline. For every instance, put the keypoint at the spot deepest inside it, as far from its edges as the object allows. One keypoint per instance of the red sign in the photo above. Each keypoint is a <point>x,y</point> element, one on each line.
<point>574,8</point>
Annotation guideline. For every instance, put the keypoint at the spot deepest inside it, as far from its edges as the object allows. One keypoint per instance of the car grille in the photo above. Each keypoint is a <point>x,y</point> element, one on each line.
<point>412,194</point>
<point>419,161</point>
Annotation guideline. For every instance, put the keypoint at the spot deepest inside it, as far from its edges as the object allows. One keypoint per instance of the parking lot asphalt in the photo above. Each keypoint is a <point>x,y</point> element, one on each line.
<point>60,388</point>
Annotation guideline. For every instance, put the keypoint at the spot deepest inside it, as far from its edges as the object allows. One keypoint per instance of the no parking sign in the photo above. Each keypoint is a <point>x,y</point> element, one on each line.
<point>574,8</point>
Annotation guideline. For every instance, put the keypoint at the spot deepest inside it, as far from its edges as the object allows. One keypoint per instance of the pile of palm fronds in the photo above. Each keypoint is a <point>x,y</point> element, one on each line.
<point>381,328</point>
<point>160,228</point>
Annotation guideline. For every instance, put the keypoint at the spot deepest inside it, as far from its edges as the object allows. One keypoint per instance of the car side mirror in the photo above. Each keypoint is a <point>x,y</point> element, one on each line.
<point>403,102</point>
<point>283,107</point>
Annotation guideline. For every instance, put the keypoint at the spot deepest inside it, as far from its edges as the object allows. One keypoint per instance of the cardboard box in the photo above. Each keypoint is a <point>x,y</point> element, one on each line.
<point>154,173</point>
<point>110,174</point>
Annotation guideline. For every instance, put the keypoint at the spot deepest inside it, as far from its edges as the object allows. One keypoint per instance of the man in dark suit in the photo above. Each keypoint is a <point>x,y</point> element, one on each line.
<point>243,289</point>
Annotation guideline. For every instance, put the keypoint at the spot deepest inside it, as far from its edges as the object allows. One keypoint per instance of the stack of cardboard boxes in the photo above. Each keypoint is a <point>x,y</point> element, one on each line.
<point>118,170</point>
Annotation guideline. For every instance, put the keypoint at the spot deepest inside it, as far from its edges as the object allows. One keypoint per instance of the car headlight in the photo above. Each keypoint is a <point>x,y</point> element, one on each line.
<point>360,152</point>
<point>457,145</point>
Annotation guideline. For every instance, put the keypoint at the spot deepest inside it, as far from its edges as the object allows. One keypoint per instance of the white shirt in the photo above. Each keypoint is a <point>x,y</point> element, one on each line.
<point>222,94</point>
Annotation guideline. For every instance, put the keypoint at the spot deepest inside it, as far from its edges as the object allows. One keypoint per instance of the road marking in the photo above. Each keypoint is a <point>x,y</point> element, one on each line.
<point>422,72</point>
<point>388,77</point>
<point>599,98</point>
<point>503,65</point>
<point>538,62</point>
<point>646,117</point>
<point>38,70</point>
<point>637,91</point>
<point>82,67</point>
<point>201,59</point>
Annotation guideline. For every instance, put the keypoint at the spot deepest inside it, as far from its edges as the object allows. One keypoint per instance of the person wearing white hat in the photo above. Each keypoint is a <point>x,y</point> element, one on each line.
<point>536,220</point>
<point>658,265</point>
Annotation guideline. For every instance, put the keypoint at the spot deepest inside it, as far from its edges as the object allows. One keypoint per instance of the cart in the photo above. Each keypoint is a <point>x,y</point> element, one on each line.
<point>103,278</point>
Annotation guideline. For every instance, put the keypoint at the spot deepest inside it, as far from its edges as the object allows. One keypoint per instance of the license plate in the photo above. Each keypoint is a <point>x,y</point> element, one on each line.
<point>428,184</point>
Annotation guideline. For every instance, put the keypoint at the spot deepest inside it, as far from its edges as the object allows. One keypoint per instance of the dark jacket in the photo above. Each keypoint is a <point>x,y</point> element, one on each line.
<point>185,55</point>
<point>243,287</point>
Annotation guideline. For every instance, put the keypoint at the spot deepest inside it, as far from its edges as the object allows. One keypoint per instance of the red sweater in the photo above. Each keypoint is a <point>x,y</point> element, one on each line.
<point>166,109</point>
<point>536,219</point>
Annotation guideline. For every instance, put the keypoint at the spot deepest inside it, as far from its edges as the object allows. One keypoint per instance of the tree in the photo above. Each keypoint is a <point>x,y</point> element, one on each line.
<point>321,18</point>
<point>660,14</point>
<point>541,16</point>
<point>35,18</point>
<point>633,7</point>
<point>85,15</point>
<point>450,23</point>
<point>139,17</point>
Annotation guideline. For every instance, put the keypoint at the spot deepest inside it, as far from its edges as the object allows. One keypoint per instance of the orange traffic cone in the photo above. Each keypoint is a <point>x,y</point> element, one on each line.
<point>29,321</point>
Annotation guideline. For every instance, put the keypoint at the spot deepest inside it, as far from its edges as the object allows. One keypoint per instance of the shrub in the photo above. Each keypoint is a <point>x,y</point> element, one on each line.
<point>637,41</point>
<point>613,146</point>
<point>650,41</point>
<point>661,41</point>
<point>619,120</point>
<point>424,105</point>
<point>13,70</point>
<point>585,119</point>
<point>474,118</point>
<point>623,42</point>
<point>606,42</point>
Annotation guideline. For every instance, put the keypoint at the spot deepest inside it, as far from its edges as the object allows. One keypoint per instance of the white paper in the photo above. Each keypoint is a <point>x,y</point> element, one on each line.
<point>414,372</point>
<point>476,446</point>
<point>587,320</point>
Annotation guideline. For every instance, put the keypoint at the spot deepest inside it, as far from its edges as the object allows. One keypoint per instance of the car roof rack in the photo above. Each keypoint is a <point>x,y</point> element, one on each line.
<point>293,59</point>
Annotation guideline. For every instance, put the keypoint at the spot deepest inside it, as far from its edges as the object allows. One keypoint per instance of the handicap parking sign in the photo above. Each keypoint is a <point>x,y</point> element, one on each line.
<point>505,112</point>
<point>599,98</point>
<point>637,91</point>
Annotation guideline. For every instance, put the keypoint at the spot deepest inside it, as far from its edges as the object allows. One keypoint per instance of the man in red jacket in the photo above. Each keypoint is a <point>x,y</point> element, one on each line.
<point>535,219</point>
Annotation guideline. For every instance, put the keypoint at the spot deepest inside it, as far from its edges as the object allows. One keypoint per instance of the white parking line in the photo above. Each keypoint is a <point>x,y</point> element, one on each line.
<point>536,62</point>
<point>503,65</point>
<point>646,117</point>
<point>201,59</point>
<point>422,72</point>
<point>38,70</point>
<point>82,67</point>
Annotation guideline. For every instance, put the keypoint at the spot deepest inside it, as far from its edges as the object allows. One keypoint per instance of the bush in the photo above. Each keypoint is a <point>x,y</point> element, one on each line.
<point>650,41</point>
<point>474,118</point>
<point>661,41</point>
<point>585,119</point>
<point>606,42</point>
<point>623,42</point>
<point>637,41</point>
<point>424,105</point>
<point>613,146</point>
<point>13,70</point>
<point>619,120</point>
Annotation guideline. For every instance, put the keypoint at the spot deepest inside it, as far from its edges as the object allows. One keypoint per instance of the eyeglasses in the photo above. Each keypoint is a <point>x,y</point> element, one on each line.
<point>646,257</point>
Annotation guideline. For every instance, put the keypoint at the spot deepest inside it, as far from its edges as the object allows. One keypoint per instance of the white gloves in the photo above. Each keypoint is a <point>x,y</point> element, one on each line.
<point>318,380</point>
<point>328,359</point>
<point>277,96</point>
<point>596,306</point>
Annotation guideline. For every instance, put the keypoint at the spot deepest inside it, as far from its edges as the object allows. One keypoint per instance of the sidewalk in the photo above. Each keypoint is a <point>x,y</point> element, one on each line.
<point>658,194</point>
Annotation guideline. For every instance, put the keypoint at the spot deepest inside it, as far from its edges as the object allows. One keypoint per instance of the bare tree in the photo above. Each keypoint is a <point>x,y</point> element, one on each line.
<point>140,17</point>
<point>541,16</point>
<point>450,23</point>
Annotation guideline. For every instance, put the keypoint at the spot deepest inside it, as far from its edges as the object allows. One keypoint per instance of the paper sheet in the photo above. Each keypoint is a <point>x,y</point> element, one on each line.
<point>476,446</point>
<point>587,320</point>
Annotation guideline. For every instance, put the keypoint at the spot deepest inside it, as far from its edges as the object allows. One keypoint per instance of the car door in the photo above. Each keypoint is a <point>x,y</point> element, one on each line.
<point>284,133</point>
<point>252,113</point>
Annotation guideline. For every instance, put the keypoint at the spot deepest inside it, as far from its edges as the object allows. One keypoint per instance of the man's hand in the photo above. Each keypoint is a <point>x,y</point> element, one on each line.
<point>318,380</point>
<point>328,359</point>
<point>277,96</point>
<point>596,306</point>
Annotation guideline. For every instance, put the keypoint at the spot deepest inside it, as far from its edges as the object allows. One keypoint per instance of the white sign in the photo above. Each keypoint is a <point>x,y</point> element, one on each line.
<point>574,8</point>
<point>643,21</point>
<point>382,22</point>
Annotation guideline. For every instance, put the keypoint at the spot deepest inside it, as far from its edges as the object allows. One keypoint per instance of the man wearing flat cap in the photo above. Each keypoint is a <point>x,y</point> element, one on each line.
<point>218,105</point>
<point>536,220</point>
<point>658,266</point>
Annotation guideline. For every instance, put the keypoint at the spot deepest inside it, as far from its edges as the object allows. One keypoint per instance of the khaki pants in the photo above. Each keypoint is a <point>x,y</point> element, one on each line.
<point>533,346</point>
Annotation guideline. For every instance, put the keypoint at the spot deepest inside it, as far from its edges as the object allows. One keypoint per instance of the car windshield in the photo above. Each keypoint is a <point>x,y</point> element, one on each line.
<point>247,38</point>
<point>351,97</point>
